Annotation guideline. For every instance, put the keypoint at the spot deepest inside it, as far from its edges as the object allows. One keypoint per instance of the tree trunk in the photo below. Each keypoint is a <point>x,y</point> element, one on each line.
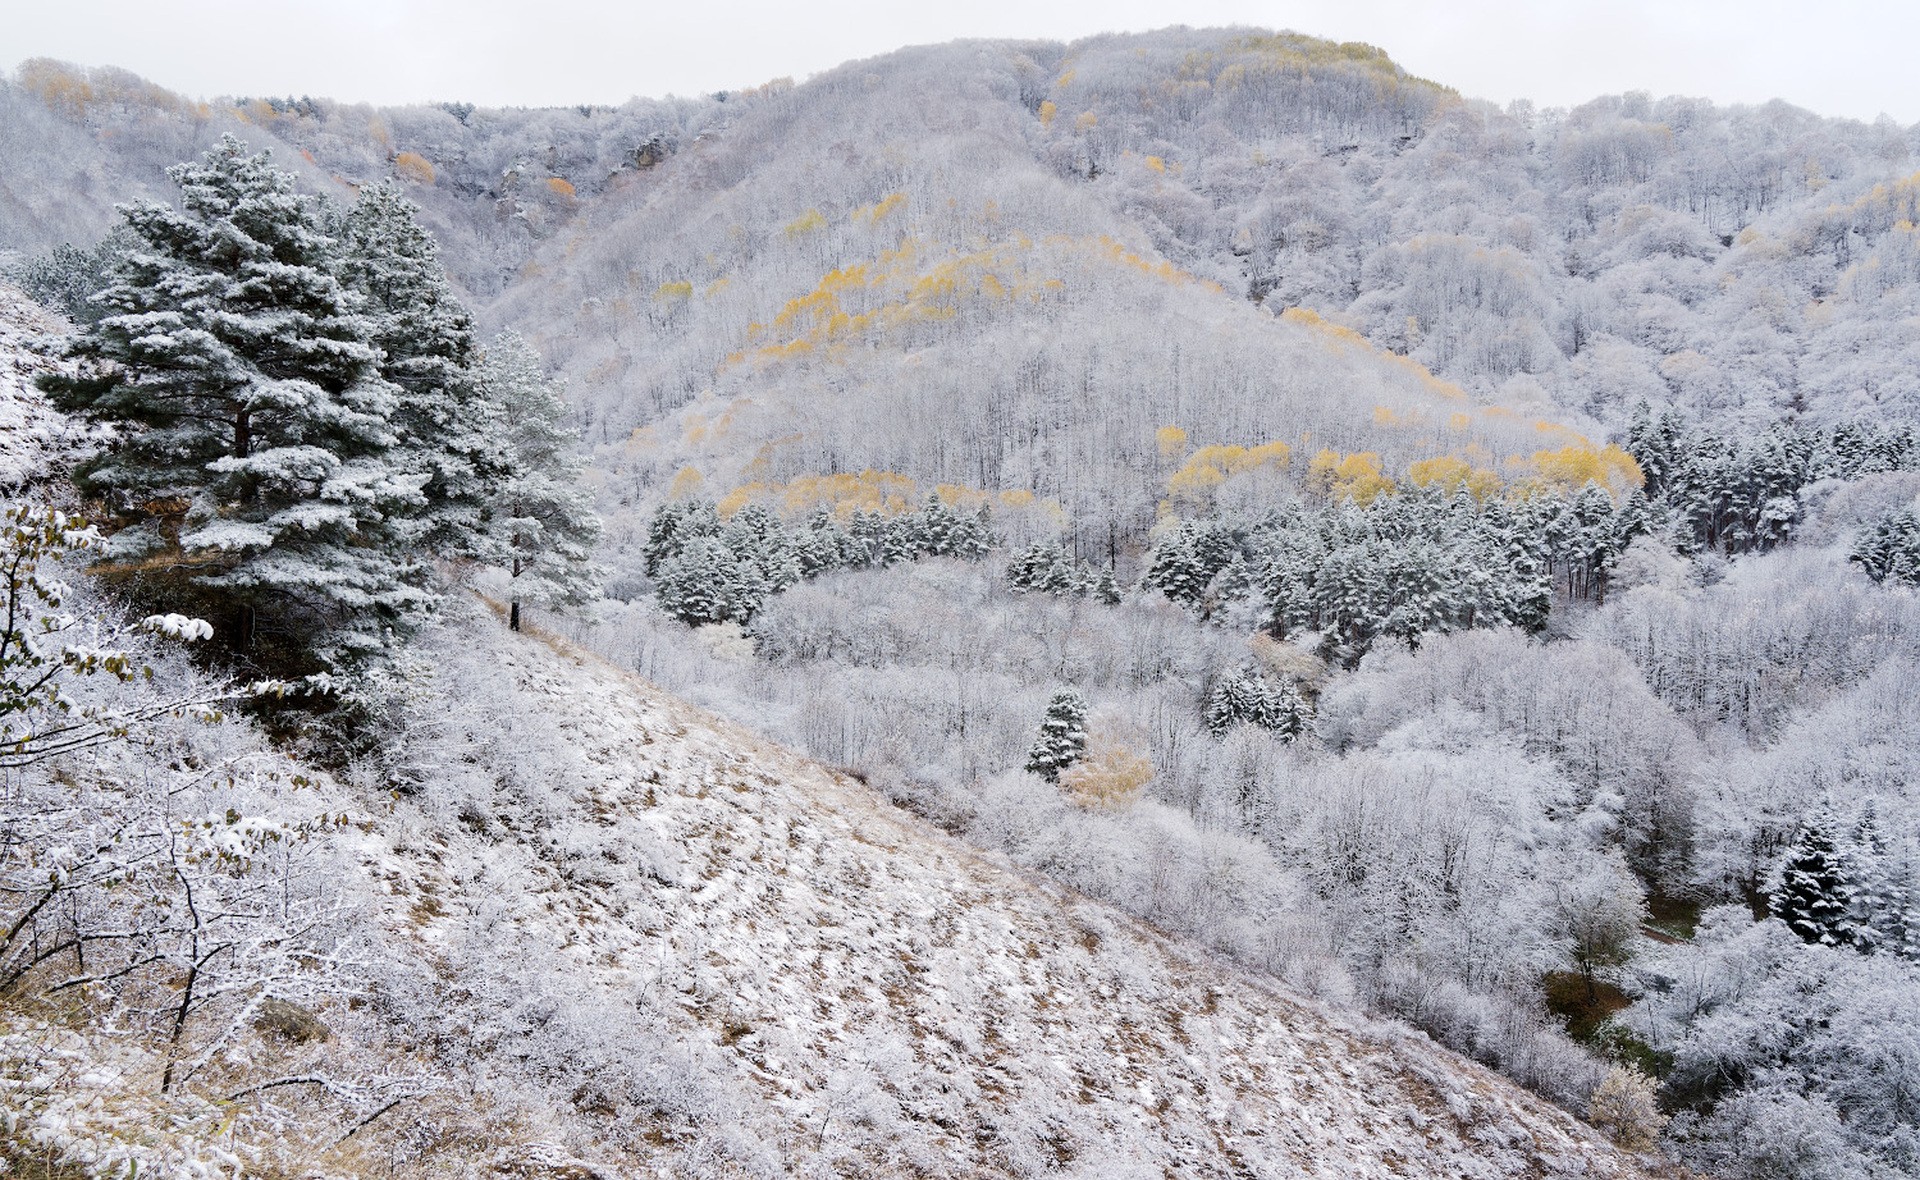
<point>243,626</point>
<point>513,616</point>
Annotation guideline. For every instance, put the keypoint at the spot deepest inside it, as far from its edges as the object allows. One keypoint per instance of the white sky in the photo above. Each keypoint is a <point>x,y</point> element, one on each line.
<point>1837,57</point>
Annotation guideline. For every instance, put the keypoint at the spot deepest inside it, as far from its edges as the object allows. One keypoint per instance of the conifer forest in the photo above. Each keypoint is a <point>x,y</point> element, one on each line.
<point>1185,604</point>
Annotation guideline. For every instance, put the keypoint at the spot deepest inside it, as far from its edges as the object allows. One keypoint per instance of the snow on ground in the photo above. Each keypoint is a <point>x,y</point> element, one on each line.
<point>33,437</point>
<point>881,997</point>
<point>611,935</point>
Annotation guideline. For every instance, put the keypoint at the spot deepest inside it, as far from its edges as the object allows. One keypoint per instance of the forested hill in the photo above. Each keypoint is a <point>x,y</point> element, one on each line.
<point>601,933</point>
<point>1005,266</point>
<point>1454,562</point>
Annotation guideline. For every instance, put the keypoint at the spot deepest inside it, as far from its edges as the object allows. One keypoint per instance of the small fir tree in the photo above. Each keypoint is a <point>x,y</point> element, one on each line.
<point>1063,736</point>
<point>1040,568</point>
<point>699,584</point>
<point>1889,548</point>
<point>673,525</point>
<point>1815,898</point>
<point>1245,697</point>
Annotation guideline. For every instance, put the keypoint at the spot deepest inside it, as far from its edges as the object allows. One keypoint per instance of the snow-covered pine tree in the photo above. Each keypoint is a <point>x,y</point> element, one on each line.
<point>445,430</point>
<point>252,466</point>
<point>542,524</point>
<point>761,544</point>
<point>1240,697</point>
<point>1246,697</point>
<point>673,525</point>
<point>937,528</point>
<point>973,538</point>
<point>1814,897</point>
<point>1882,914</point>
<point>1179,568</point>
<point>1041,568</point>
<point>1889,547</point>
<point>822,544</point>
<point>697,585</point>
<point>1063,735</point>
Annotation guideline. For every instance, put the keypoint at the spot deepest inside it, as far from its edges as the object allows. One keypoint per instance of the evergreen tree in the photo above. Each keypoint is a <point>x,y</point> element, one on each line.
<point>699,584</point>
<point>1063,736</point>
<point>542,527</point>
<point>1106,588</point>
<point>67,277</point>
<point>1239,697</point>
<point>1889,548</point>
<point>1883,915</point>
<point>675,524</point>
<point>444,430</point>
<point>822,545</point>
<point>1185,563</point>
<point>973,539</point>
<point>767,558</point>
<point>1814,897</point>
<point>253,453</point>
<point>1245,697</point>
<point>1040,568</point>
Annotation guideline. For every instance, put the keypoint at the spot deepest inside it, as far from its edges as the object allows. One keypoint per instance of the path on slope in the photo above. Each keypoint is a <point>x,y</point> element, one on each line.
<point>905,1005</point>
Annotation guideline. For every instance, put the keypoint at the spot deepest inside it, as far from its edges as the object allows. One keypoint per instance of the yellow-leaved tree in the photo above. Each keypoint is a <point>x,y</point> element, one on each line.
<point>1112,774</point>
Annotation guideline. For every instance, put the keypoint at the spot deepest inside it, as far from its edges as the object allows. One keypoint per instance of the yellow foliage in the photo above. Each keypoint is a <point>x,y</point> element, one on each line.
<point>1156,163</point>
<point>1210,466</point>
<point>1110,777</point>
<point>1452,474</point>
<point>672,292</point>
<point>877,212</point>
<point>961,497</point>
<point>1048,110</point>
<point>561,185</point>
<point>1195,482</point>
<point>1573,466</point>
<point>1086,122</point>
<point>886,493</point>
<point>806,223</point>
<point>56,85</point>
<point>1357,477</point>
<point>686,484</point>
<point>1171,440</point>
<point>1307,318</point>
<point>901,287</point>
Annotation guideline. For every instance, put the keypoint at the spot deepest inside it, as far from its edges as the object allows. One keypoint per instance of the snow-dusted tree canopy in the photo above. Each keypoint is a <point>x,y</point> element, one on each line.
<point>1459,563</point>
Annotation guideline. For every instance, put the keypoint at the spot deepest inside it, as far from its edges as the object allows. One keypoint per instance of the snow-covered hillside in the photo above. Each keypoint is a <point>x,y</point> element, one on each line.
<point>30,434</point>
<point>875,997</point>
<point>573,926</point>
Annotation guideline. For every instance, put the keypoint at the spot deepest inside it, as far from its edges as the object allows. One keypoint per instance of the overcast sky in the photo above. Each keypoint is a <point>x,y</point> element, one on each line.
<point>1841,57</point>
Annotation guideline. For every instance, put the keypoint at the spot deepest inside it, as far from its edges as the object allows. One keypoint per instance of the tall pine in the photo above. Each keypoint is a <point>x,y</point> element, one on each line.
<point>443,429</point>
<point>542,524</point>
<point>251,463</point>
